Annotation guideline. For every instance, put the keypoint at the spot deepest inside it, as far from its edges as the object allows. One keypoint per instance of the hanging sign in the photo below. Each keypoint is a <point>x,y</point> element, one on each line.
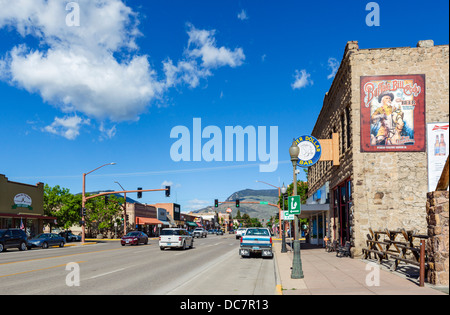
<point>310,151</point>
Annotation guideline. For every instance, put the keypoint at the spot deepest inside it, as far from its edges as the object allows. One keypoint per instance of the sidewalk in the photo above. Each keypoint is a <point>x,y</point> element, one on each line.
<point>326,274</point>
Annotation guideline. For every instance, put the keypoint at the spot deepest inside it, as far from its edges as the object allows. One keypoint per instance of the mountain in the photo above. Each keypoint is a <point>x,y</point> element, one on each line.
<point>259,211</point>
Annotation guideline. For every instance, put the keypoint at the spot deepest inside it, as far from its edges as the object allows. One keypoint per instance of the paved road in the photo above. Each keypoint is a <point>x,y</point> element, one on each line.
<point>213,266</point>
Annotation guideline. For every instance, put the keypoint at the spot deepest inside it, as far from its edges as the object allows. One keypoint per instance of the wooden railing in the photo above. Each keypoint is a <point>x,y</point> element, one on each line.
<point>385,245</point>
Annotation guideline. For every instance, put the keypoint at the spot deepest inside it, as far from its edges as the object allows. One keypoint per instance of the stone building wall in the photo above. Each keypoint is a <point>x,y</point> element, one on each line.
<point>437,243</point>
<point>389,188</point>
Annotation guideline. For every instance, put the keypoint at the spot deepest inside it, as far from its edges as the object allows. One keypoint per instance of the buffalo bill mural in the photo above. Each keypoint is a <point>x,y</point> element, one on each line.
<point>393,113</point>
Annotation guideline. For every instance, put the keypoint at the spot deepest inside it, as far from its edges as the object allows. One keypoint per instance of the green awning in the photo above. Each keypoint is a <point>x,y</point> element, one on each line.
<point>191,223</point>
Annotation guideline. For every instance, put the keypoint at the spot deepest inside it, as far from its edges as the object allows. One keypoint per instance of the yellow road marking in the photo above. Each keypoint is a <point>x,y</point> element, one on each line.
<point>43,258</point>
<point>29,271</point>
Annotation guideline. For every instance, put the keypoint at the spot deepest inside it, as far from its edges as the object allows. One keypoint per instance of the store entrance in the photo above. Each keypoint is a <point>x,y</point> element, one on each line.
<point>342,194</point>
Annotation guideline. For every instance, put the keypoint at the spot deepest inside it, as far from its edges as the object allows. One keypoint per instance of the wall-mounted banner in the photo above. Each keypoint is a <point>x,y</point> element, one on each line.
<point>437,151</point>
<point>393,113</point>
<point>310,151</point>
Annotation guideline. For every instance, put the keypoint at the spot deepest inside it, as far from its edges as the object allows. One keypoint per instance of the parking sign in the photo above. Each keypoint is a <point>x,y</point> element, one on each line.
<point>294,205</point>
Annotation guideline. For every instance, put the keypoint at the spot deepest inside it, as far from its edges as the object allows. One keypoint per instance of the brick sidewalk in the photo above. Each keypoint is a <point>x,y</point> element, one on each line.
<point>326,274</point>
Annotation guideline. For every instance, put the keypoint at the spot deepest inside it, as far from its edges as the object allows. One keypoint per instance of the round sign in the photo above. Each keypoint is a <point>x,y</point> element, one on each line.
<point>310,151</point>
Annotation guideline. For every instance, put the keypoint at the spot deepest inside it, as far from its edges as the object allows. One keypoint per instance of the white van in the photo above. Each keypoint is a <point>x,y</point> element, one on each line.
<point>175,238</point>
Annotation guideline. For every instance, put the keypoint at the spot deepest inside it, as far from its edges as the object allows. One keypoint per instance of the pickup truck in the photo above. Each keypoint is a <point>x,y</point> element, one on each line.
<point>256,240</point>
<point>199,232</point>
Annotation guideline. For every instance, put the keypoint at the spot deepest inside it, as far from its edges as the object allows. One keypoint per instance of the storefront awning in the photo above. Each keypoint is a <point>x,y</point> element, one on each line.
<point>189,223</point>
<point>309,210</point>
<point>147,221</point>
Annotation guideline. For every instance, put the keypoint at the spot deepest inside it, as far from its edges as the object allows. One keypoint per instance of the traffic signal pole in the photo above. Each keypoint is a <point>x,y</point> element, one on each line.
<point>124,192</point>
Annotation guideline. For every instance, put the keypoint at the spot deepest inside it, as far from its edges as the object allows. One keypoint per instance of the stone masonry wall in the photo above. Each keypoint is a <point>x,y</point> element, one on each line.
<point>437,244</point>
<point>391,188</point>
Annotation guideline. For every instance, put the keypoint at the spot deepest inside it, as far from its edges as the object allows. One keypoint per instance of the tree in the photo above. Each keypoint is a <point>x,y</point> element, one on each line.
<point>60,203</point>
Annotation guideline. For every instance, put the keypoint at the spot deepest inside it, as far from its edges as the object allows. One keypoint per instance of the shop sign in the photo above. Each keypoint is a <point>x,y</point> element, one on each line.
<point>22,201</point>
<point>310,151</point>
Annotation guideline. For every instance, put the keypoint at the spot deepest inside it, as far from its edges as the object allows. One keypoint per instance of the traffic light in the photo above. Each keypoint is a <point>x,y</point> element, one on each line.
<point>167,191</point>
<point>83,212</point>
<point>126,217</point>
<point>106,199</point>
<point>139,194</point>
<point>216,203</point>
<point>237,203</point>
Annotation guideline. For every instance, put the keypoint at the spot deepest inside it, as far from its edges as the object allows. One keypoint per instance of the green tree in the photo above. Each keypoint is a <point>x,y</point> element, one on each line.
<point>60,203</point>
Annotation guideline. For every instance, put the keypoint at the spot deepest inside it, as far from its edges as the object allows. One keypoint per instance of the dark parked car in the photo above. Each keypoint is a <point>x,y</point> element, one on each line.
<point>45,240</point>
<point>219,232</point>
<point>13,238</point>
<point>70,237</point>
<point>134,238</point>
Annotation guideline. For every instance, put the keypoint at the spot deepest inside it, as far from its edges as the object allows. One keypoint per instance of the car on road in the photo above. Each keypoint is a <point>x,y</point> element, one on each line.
<point>219,232</point>
<point>134,238</point>
<point>13,238</point>
<point>256,240</point>
<point>240,232</point>
<point>45,240</point>
<point>200,232</point>
<point>175,238</point>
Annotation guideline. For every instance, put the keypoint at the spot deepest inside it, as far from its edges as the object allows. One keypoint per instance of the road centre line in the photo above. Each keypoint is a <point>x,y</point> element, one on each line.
<point>29,271</point>
<point>43,258</point>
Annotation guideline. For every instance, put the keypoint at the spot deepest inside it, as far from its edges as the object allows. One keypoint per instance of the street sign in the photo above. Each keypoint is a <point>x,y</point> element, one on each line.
<point>287,216</point>
<point>263,202</point>
<point>294,204</point>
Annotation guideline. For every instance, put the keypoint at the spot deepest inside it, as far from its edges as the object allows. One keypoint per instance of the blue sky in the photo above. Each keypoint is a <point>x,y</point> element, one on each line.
<point>111,89</point>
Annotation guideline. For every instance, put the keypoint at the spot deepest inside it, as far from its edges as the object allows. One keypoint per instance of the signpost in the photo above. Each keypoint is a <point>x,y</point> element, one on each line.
<point>294,205</point>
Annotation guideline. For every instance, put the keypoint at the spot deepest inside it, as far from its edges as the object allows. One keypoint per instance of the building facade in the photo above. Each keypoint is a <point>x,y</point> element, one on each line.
<point>380,103</point>
<point>22,206</point>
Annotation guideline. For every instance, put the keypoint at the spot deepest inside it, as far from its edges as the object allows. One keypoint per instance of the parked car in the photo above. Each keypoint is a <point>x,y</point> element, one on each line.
<point>240,232</point>
<point>134,238</point>
<point>200,232</point>
<point>175,238</point>
<point>70,237</point>
<point>45,240</point>
<point>13,238</point>
<point>219,232</point>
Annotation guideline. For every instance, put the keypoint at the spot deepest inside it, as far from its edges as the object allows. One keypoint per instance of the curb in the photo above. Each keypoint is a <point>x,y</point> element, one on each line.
<point>278,286</point>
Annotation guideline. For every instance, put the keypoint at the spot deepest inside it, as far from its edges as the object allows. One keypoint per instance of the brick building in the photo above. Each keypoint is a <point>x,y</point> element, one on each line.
<point>380,103</point>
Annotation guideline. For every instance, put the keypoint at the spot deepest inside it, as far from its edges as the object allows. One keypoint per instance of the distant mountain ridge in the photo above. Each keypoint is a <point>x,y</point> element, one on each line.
<point>259,211</point>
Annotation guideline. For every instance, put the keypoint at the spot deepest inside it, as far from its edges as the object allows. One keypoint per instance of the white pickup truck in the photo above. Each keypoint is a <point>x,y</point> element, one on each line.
<point>175,238</point>
<point>256,240</point>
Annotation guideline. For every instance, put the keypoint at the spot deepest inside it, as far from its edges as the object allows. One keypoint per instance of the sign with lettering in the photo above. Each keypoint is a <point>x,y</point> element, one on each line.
<point>22,201</point>
<point>393,113</point>
<point>310,151</point>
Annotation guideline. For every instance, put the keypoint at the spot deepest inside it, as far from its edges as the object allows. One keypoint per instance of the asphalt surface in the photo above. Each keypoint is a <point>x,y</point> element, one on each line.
<point>213,266</point>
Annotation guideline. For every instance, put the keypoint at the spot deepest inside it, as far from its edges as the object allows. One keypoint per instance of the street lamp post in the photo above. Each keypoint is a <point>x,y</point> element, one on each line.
<point>124,210</point>
<point>283,235</point>
<point>297,272</point>
<point>83,203</point>
<point>279,208</point>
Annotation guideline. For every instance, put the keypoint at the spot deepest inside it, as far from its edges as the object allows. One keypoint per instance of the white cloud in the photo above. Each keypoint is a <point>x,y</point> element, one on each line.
<point>95,69</point>
<point>202,44</point>
<point>67,127</point>
<point>242,15</point>
<point>302,79</point>
<point>196,204</point>
<point>333,64</point>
